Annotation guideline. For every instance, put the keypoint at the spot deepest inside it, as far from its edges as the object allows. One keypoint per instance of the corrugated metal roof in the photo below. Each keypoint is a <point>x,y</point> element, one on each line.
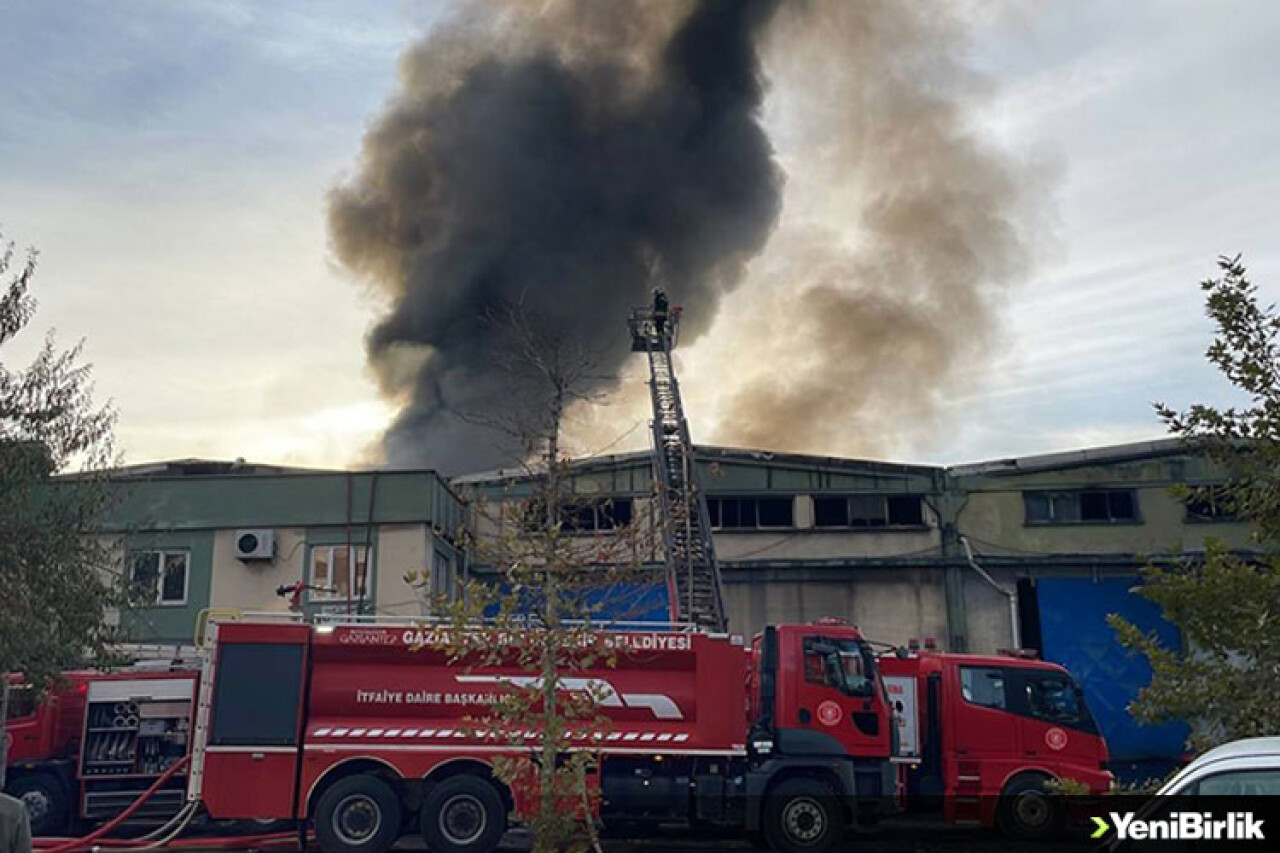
<point>1075,458</point>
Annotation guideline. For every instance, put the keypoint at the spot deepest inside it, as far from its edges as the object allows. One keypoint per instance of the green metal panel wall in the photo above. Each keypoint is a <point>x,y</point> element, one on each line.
<point>172,623</point>
<point>282,501</point>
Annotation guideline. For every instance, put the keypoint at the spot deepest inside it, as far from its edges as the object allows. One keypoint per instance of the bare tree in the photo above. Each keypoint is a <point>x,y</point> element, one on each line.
<point>555,592</point>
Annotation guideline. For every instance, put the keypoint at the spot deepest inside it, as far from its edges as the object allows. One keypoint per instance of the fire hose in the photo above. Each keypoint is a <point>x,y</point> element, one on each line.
<point>165,836</point>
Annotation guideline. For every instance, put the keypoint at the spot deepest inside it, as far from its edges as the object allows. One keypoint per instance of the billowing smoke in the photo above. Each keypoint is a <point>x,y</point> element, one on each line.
<point>551,155</point>
<point>903,226</point>
<point>874,308</point>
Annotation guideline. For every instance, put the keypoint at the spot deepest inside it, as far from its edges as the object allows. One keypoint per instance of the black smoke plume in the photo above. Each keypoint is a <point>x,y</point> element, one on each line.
<point>551,158</point>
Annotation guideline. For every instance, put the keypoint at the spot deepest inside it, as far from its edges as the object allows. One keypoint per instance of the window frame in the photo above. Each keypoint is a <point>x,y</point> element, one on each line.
<point>163,554</point>
<point>1212,490</point>
<point>715,512</point>
<point>603,519</point>
<point>885,499</point>
<point>316,596</point>
<point>1052,498</point>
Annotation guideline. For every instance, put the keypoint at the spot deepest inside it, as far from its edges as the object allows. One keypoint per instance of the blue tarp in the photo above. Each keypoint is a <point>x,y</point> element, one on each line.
<point>621,602</point>
<point>1075,633</point>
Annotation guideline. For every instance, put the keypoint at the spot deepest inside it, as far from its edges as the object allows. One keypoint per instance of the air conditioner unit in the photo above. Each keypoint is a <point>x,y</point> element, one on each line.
<point>255,544</point>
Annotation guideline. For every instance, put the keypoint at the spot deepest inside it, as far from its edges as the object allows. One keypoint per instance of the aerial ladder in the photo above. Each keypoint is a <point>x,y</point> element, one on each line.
<point>694,587</point>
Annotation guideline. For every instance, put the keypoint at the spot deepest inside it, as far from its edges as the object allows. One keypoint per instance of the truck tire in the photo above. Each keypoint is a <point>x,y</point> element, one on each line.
<point>803,816</point>
<point>359,814</point>
<point>47,802</point>
<point>1027,812</point>
<point>463,814</point>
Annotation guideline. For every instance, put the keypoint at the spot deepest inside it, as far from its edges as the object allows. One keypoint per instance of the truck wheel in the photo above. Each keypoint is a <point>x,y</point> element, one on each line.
<point>1027,811</point>
<point>46,801</point>
<point>803,816</point>
<point>463,814</point>
<point>359,814</point>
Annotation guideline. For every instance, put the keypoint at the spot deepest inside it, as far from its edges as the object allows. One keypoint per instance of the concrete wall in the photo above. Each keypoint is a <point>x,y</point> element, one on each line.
<point>995,516</point>
<point>988,625</point>
<point>401,548</point>
<point>239,585</point>
<point>889,605</point>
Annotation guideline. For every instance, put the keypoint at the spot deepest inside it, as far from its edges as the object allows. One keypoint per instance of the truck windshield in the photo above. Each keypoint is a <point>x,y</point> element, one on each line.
<point>1056,698</point>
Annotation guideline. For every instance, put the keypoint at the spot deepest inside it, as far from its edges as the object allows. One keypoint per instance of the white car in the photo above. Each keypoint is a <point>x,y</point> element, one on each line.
<point>1242,768</point>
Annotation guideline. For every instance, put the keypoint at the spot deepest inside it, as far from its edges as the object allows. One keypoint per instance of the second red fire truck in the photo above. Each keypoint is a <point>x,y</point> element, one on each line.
<point>981,735</point>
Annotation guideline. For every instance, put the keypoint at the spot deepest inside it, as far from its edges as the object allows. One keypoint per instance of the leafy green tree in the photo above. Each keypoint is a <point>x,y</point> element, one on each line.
<point>54,579</point>
<point>1227,605</point>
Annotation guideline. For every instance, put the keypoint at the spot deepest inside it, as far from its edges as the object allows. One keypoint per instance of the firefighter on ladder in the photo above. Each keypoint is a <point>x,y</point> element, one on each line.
<point>661,308</point>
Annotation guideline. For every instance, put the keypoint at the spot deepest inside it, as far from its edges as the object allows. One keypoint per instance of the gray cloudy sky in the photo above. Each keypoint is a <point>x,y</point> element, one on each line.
<point>171,160</point>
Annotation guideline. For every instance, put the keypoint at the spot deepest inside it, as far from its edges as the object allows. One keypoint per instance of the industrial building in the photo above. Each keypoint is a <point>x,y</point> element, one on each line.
<point>1031,551</point>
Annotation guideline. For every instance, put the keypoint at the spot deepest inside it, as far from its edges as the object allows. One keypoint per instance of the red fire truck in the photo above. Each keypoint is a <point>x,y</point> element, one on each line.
<point>362,729</point>
<point>980,735</point>
<point>89,747</point>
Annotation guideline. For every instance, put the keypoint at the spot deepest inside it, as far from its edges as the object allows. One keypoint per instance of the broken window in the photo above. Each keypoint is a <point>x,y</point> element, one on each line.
<point>1087,506</point>
<point>868,511</point>
<point>339,572</point>
<point>1212,503</point>
<point>751,513</point>
<point>159,577</point>
<point>597,515</point>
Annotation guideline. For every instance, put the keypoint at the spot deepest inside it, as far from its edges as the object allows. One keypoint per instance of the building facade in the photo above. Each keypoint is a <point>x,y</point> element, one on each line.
<point>195,538</point>
<point>1032,552</point>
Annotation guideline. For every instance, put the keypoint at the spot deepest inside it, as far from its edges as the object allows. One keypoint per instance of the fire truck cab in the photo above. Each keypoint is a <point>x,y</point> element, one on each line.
<point>980,736</point>
<point>43,733</point>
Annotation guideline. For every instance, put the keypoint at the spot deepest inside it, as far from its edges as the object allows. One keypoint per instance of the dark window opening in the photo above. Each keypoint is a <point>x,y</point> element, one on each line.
<point>751,513</point>
<point>1212,503</point>
<point>1029,614</point>
<point>774,512</point>
<point>580,517</point>
<point>868,511</point>
<point>830,512</point>
<point>906,510</point>
<point>1090,506</point>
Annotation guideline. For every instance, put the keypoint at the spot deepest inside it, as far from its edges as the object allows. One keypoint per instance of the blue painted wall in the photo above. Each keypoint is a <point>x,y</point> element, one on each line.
<point>1075,633</point>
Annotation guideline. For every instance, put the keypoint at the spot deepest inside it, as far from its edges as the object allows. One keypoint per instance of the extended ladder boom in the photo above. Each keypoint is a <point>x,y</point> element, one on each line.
<point>693,577</point>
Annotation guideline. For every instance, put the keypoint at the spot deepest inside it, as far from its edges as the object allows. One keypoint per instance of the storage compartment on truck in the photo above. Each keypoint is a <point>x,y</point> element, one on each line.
<point>135,728</point>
